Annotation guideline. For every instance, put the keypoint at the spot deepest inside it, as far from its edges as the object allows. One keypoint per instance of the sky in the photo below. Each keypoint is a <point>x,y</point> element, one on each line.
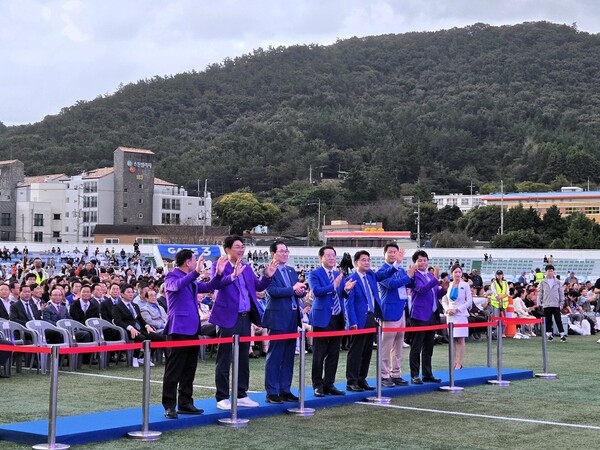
<point>54,53</point>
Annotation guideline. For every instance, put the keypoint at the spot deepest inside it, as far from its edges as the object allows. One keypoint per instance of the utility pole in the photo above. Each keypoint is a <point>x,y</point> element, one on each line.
<point>419,223</point>
<point>501,207</point>
<point>204,221</point>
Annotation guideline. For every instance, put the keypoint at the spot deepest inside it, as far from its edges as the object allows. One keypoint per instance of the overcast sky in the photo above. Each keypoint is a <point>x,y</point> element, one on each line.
<point>55,52</point>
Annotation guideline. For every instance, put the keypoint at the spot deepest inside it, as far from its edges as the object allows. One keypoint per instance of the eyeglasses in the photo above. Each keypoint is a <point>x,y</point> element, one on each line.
<point>237,247</point>
<point>282,251</point>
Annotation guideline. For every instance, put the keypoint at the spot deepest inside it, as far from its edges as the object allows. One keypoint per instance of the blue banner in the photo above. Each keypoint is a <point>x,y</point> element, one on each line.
<point>210,252</point>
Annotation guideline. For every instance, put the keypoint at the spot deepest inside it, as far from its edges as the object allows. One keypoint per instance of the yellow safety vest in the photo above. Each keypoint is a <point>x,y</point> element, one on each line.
<point>501,288</point>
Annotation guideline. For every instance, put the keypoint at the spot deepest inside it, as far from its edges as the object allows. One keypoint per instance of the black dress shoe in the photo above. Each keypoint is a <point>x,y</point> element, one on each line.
<point>366,386</point>
<point>274,399</point>
<point>333,391</point>
<point>189,409</point>
<point>319,392</point>
<point>354,388</point>
<point>416,380</point>
<point>400,381</point>
<point>289,397</point>
<point>170,413</point>
<point>253,356</point>
<point>4,376</point>
<point>432,380</point>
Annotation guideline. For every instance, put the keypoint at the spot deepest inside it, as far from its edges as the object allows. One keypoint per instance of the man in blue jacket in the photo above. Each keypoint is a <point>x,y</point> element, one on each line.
<point>282,315</point>
<point>327,314</point>
<point>362,305</point>
<point>394,299</point>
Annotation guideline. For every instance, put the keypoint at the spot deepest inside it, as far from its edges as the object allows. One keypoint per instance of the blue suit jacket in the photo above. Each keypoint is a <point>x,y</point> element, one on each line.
<point>226,306</point>
<point>279,314</point>
<point>357,305</point>
<point>320,313</point>
<point>392,306</point>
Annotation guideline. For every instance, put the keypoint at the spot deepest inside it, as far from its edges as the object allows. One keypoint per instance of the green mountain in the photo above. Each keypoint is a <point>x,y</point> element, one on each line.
<point>447,108</point>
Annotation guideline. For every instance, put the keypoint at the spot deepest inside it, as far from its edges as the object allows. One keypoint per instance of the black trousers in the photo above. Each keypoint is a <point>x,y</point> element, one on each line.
<point>180,371</point>
<point>553,312</point>
<point>359,354</point>
<point>326,354</point>
<point>421,347</point>
<point>225,355</point>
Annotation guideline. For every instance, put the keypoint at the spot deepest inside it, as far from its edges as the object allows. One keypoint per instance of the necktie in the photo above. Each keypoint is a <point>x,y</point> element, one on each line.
<point>58,309</point>
<point>84,307</point>
<point>337,308</point>
<point>137,325</point>
<point>368,293</point>
<point>288,283</point>
<point>28,311</point>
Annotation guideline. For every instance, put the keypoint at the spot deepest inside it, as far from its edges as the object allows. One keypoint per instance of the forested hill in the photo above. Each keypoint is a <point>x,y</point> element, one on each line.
<point>449,108</point>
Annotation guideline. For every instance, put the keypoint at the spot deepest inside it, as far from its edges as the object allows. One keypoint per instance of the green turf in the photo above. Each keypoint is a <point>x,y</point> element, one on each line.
<point>571,398</point>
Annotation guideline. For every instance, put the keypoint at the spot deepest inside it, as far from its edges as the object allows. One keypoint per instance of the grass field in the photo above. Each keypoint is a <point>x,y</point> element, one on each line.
<point>531,414</point>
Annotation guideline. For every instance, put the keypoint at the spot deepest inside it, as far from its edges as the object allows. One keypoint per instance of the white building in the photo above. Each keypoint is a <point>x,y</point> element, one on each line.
<point>464,202</point>
<point>62,209</point>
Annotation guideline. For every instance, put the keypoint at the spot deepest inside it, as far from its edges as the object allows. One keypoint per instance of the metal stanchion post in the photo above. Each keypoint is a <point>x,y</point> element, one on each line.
<point>53,405</point>
<point>301,410</point>
<point>379,399</point>
<point>451,351</point>
<point>499,381</point>
<point>490,333</point>
<point>233,421</point>
<point>145,434</point>
<point>545,373</point>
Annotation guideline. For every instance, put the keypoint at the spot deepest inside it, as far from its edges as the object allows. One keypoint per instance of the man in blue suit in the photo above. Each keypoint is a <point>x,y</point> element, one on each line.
<point>282,315</point>
<point>362,305</point>
<point>327,314</point>
<point>394,299</point>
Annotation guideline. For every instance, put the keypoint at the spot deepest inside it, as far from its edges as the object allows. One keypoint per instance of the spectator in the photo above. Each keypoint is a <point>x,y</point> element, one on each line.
<point>152,312</point>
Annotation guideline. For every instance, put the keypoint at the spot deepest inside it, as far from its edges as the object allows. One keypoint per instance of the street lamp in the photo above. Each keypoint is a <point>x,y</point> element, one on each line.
<point>418,214</point>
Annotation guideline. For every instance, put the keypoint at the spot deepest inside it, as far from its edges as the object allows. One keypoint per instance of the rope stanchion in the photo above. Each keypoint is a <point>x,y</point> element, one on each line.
<point>52,444</point>
<point>301,411</point>
<point>234,421</point>
<point>451,351</point>
<point>545,373</point>
<point>378,399</point>
<point>145,434</point>
<point>490,337</point>
<point>499,381</point>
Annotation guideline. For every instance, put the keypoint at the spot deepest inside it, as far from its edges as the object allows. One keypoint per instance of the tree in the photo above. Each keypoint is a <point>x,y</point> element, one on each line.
<point>554,225</point>
<point>481,223</point>
<point>518,239</point>
<point>242,211</point>
<point>519,218</point>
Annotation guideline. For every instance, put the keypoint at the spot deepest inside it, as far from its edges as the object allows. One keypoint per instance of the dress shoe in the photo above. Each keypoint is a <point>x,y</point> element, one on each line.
<point>333,391</point>
<point>4,376</point>
<point>354,388</point>
<point>432,380</point>
<point>319,392</point>
<point>399,381</point>
<point>387,382</point>
<point>289,397</point>
<point>189,409</point>
<point>252,356</point>
<point>274,399</point>
<point>366,386</point>
<point>170,413</point>
<point>309,349</point>
<point>416,380</point>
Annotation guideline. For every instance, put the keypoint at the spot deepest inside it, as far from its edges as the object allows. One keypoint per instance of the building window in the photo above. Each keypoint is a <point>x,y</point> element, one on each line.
<point>86,232</point>
<point>5,220</point>
<point>4,235</point>
<point>124,205</point>
<point>56,234</point>
<point>176,204</point>
<point>38,221</point>
<point>111,240</point>
<point>141,186</point>
<point>90,202</point>
<point>90,216</point>
<point>67,214</point>
<point>148,241</point>
<point>38,236</point>
<point>140,216</point>
<point>141,200</point>
<point>90,186</point>
<point>66,229</point>
<point>124,219</point>
<point>55,216</point>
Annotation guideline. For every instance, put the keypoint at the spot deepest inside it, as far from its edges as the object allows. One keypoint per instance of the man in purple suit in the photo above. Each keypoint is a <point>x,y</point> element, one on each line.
<point>183,323</point>
<point>424,301</point>
<point>234,309</point>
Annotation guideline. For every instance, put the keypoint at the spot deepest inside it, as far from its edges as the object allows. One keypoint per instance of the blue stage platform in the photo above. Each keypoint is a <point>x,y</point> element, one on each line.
<point>116,424</point>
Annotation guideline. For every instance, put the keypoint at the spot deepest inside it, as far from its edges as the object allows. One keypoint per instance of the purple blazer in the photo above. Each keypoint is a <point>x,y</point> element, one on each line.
<point>181,290</point>
<point>226,305</point>
<point>425,292</point>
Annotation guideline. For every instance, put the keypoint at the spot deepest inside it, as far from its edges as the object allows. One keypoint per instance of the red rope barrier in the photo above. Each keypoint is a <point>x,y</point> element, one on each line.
<point>194,342</point>
<point>276,337</point>
<point>319,334</point>
<point>24,349</point>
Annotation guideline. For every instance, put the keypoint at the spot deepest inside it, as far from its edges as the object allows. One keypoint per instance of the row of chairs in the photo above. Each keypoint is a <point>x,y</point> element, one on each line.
<point>34,334</point>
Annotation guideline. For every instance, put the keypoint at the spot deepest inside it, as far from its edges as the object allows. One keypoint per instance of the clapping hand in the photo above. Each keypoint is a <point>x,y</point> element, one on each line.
<point>221,262</point>
<point>271,268</point>
<point>200,264</point>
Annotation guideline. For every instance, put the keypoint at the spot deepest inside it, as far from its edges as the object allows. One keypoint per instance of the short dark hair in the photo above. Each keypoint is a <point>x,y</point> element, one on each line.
<point>229,240</point>
<point>273,246</point>
<point>360,253</point>
<point>126,286</point>
<point>549,267</point>
<point>182,256</point>
<point>391,244</point>
<point>326,247</point>
<point>419,253</point>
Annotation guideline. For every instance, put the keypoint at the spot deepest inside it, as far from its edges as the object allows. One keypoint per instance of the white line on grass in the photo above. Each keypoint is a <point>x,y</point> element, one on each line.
<point>212,388</point>
<point>486,416</point>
